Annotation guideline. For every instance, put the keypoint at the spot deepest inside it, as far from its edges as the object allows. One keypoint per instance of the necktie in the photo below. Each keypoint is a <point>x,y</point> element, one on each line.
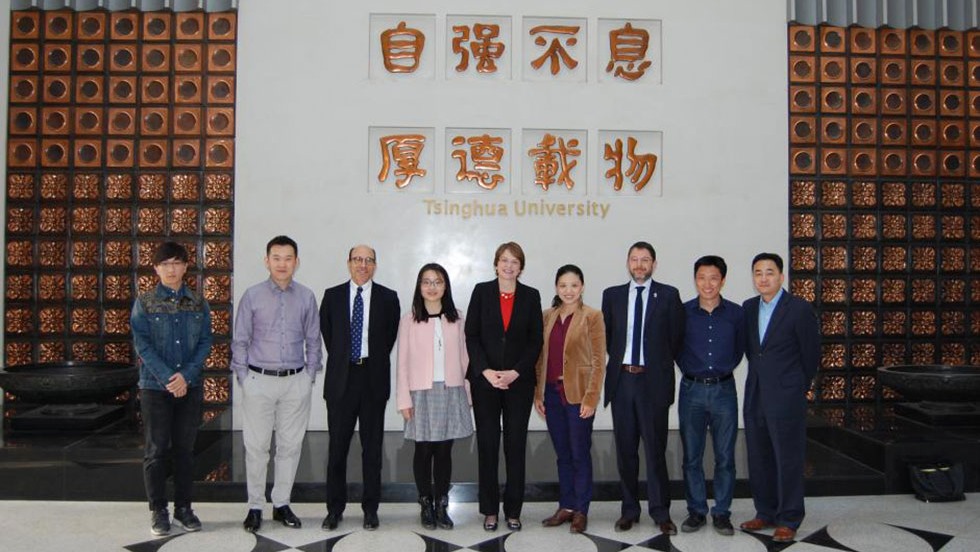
<point>638,324</point>
<point>356,326</point>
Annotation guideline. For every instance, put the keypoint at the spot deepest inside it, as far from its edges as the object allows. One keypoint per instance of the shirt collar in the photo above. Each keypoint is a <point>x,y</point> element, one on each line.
<point>164,291</point>
<point>775,300</point>
<point>366,287</point>
<point>646,285</point>
<point>274,286</point>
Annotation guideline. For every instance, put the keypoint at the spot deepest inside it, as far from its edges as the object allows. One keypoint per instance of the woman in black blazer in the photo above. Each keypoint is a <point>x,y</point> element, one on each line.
<point>504,332</point>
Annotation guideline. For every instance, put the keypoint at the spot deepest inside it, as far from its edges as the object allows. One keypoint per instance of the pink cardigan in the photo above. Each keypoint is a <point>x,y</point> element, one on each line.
<point>415,361</point>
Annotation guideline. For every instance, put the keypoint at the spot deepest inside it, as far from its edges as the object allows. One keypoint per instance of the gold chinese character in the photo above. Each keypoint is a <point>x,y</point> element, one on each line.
<point>641,166</point>
<point>555,52</point>
<point>628,46</point>
<point>550,161</point>
<point>486,155</point>
<point>406,149</point>
<point>484,49</point>
<point>402,48</point>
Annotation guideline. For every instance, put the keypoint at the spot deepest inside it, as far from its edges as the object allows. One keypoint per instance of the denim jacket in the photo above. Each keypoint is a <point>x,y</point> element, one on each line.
<point>172,333</point>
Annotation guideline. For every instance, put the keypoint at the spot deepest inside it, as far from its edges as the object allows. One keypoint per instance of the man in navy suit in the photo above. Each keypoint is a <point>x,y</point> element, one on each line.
<point>644,334</point>
<point>783,345</point>
<point>359,324</point>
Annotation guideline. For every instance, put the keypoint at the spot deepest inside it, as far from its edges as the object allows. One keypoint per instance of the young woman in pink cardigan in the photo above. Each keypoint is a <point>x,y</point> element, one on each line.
<point>431,390</point>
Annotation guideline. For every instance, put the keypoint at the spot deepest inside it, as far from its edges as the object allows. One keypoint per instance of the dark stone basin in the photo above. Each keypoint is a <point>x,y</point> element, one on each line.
<point>69,382</point>
<point>934,382</point>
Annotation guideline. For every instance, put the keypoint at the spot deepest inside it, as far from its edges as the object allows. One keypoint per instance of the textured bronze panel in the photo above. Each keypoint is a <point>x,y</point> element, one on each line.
<point>24,25</point>
<point>189,26</point>
<point>952,103</point>
<point>152,220</point>
<point>20,253</point>
<point>863,355</point>
<point>923,323</point>
<point>156,58</point>
<point>19,287</point>
<point>953,353</point>
<point>145,282</point>
<point>833,194</point>
<point>953,322</point>
<point>84,351</point>
<point>952,163</point>
<point>924,259</point>
<point>220,153</point>
<point>118,352</point>
<point>221,90</point>
<point>803,258</point>
<point>975,228</point>
<point>892,354</point>
<point>923,353</point>
<point>833,323</point>
<point>863,70</point>
<point>975,323</point>
<point>864,259</point>
<point>85,321</point>
<point>23,88</point>
<point>117,321</point>
<point>952,134</point>
<point>188,58</point>
<point>216,390</point>
<point>221,58</point>
<point>152,153</point>
<point>52,320</point>
<point>833,356</point>
<point>893,194</point>
<point>187,89</point>
<point>864,101</point>
<point>893,227</point>
<point>19,321</point>
<point>893,323</point>
<point>51,287</point>
<point>923,291</point>
<point>953,259</point>
<point>54,220</point>
<point>85,287</point>
<point>894,101</point>
<point>863,322</point>
<point>803,100</point>
<point>923,163</point>
<point>833,258</point>
<point>23,120</point>
<point>58,57</point>
<point>220,357</point>
<point>893,71</point>
<point>953,291</point>
<point>952,196</point>
<point>217,220</point>
<point>20,220</point>
<point>118,254</point>
<point>220,121</point>
<point>52,254</point>
<point>124,25</point>
<point>24,57</point>
<point>803,193</point>
<point>953,227</point>
<point>18,353</point>
<point>923,72</point>
<point>185,187</point>
<point>864,290</point>
<point>217,289</point>
<point>89,89</point>
<point>85,254</point>
<point>218,187</point>
<point>952,73</point>
<point>20,186</point>
<point>863,387</point>
<point>118,220</point>
<point>91,26</point>
<point>923,227</point>
<point>151,187</point>
<point>805,288</point>
<point>864,227</point>
<point>122,120</point>
<point>117,287</point>
<point>833,290</point>
<point>85,220</point>
<point>154,89</point>
<point>221,322</point>
<point>922,42</point>
<point>832,68</point>
<point>187,121</point>
<point>802,225</point>
<point>51,351</point>
<point>91,57</point>
<point>950,43</point>
<point>54,153</point>
<point>217,255</point>
<point>801,67</point>
<point>864,194</point>
<point>833,99</point>
<point>120,153</point>
<point>184,220</point>
<point>833,226</point>
<point>86,187</point>
<point>833,388</point>
<point>864,131</point>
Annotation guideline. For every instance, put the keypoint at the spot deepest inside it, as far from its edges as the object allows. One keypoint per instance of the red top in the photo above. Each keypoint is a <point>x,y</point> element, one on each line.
<point>506,307</point>
<point>556,348</point>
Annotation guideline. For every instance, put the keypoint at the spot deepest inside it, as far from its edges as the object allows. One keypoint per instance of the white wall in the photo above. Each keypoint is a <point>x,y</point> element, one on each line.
<point>305,104</point>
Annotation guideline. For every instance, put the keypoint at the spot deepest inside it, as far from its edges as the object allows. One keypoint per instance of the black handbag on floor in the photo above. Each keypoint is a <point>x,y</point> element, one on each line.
<point>937,481</point>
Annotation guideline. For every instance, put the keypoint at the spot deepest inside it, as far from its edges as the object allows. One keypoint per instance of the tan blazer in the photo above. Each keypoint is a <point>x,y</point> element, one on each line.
<point>583,367</point>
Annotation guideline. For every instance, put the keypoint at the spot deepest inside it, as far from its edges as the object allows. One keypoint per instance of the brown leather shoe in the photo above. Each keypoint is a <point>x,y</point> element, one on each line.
<point>756,524</point>
<point>625,523</point>
<point>784,534</point>
<point>580,522</point>
<point>561,516</point>
<point>668,528</point>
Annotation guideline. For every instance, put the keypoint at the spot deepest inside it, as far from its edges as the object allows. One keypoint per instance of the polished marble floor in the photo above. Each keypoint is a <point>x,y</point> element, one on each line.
<point>894,523</point>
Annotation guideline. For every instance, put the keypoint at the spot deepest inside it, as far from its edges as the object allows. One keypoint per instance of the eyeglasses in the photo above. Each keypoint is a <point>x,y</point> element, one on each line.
<point>172,264</point>
<point>361,260</point>
<point>433,283</point>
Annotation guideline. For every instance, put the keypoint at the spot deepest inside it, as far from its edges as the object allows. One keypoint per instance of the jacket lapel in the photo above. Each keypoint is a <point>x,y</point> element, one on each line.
<point>777,316</point>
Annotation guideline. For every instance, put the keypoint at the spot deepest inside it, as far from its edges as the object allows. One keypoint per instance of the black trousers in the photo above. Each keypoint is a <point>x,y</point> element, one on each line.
<point>513,407</point>
<point>433,467</point>
<point>170,428</point>
<point>357,404</point>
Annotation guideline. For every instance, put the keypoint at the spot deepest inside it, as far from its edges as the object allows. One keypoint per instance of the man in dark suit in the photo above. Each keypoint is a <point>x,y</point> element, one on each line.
<point>783,345</point>
<point>644,333</point>
<point>359,324</point>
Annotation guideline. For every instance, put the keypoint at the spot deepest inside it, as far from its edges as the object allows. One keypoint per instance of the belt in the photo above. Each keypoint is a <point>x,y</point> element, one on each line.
<point>633,369</point>
<point>708,381</point>
<point>278,373</point>
<point>359,362</point>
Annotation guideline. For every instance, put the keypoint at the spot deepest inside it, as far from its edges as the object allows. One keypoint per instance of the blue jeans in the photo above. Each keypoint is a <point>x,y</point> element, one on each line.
<point>703,406</point>
<point>572,438</point>
<point>170,427</point>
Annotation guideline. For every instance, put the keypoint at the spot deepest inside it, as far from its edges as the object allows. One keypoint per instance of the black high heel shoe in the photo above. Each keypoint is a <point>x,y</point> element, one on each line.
<point>489,525</point>
<point>514,524</point>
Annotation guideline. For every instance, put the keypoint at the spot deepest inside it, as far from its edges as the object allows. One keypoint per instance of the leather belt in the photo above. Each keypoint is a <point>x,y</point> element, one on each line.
<point>278,373</point>
<point>708,381</point>
<point>359,362</point>
<point>633,369</point>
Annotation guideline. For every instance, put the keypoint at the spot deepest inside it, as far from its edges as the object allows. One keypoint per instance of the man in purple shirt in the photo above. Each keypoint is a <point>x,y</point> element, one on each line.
<point>275,356</point>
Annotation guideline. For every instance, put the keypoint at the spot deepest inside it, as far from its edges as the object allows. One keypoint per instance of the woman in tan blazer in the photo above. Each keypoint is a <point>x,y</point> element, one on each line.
<point>570,373</point>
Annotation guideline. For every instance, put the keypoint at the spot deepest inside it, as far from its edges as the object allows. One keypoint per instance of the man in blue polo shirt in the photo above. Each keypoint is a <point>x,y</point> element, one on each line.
<point>714,343</point>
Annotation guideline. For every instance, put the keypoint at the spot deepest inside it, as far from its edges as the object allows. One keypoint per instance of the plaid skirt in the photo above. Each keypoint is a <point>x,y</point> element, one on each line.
<point>440,414</point>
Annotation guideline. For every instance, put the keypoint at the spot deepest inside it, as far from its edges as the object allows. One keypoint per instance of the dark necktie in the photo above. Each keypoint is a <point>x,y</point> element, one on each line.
<point>638,324</point>
<point>356,326</point>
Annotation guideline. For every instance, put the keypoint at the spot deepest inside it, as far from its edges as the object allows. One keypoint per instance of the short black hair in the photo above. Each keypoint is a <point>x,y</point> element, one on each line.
<point>170,250</point>
<point>643,245</point>
<point>769,257</point>
<point>281,240</point>
<point>712,260</point>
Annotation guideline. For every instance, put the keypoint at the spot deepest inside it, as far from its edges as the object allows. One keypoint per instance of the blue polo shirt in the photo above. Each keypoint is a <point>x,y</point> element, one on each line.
<point>714,342</point>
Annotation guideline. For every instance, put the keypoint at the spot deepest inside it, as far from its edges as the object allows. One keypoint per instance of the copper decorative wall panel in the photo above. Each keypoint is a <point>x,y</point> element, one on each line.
<point>120,134</point>
<point>885,244</point>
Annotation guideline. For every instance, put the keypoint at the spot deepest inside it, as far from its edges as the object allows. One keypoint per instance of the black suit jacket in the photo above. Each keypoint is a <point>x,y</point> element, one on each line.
<point>382,333</point>
<point>487,343</point>
<point>781,366</point>
<point>663,338</point>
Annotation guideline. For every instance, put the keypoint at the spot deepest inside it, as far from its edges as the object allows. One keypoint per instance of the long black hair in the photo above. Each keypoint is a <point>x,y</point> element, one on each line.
<point>419,314</point>
<point>556,302</point>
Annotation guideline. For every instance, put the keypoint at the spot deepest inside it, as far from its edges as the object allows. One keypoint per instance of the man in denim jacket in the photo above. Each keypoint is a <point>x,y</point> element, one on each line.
<point>172,333</point>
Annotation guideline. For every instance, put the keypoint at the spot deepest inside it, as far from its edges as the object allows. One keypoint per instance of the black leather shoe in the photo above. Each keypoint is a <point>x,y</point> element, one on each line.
<point>253,521</point>
<point>332,521</point>
<point>286,516</point>
<point>668,528</point>
<point>427,514</point>
<point>693,523</point>
<point>514,524</point>
<point>371,521</point>
<point>723,525</point>
<point>625,523</point>
<point>442,513</point>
